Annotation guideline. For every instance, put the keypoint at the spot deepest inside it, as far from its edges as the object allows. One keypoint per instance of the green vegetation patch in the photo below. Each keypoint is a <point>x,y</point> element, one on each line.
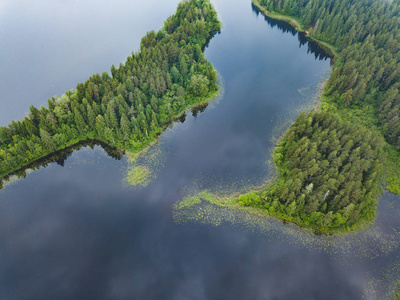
<point>138,176</point>
<point>393,184</point>
<point>190,201</point>
<point>392,169</point>
<point>329,174</point>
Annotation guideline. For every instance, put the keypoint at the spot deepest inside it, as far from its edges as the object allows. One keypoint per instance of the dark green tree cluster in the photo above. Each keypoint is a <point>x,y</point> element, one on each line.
<point>367,36</point>
<point>130,107</point>
<point>329,173</point>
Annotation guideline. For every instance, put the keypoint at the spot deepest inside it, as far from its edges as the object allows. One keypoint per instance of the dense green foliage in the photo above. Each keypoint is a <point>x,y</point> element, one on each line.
<point>329,173</point>
<point>129,108</point>
<point>366,72</point>
<point>328,163</point>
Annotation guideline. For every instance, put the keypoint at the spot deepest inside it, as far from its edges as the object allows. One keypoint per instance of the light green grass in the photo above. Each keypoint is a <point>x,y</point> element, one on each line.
<point>392,169</point>
<point>138,176</point>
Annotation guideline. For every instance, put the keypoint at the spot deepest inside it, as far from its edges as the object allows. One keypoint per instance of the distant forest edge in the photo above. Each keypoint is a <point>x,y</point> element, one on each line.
<point>131,107</point>
<point>331,163</point>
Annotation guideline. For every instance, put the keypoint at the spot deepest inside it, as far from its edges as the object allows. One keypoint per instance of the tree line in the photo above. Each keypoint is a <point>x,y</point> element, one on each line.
<point>366,72</point>
<point>128,108</point>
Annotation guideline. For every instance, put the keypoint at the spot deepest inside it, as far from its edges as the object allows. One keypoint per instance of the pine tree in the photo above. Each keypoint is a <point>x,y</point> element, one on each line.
<point>46,139</point>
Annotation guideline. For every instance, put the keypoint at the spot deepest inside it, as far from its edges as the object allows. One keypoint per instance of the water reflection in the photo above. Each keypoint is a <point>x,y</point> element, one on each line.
<point>312,47</point>
<point>199,109</point>
<point>60,157</point>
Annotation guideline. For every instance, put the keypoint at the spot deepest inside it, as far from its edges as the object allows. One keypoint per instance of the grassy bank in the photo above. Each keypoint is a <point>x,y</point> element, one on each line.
<point>235,202</point>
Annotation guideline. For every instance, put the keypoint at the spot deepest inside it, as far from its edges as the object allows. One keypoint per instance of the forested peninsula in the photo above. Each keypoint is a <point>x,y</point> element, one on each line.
<point>131,107</point>
<point>331,163</point>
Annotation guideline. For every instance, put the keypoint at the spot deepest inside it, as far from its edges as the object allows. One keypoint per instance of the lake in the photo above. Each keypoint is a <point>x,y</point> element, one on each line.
<point>76,230</point>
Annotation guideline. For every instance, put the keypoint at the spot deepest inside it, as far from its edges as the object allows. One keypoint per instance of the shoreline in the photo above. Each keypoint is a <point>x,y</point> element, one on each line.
<point>317,229</point>
<point>231,200</point>
<point>44,160</point>
<point>328,48</point>
<point>135,153</point>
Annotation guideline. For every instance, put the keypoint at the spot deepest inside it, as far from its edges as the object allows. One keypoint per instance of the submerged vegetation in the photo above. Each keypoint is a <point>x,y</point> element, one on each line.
<point>138,176</point>
<point>131,107</point>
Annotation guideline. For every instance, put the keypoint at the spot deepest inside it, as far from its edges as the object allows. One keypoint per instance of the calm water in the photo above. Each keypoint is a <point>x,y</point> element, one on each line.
<point>79,232</point>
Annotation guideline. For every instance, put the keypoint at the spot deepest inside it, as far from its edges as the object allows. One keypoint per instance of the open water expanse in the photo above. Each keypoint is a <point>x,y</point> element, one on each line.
<point>76,230</point>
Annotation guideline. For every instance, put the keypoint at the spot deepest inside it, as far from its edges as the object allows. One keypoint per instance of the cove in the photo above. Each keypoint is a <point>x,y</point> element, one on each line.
<point>77,232</point>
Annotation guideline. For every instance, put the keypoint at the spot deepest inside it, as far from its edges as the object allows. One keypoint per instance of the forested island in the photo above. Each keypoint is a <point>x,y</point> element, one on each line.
<point>128,109</point>
<point>331,163</point>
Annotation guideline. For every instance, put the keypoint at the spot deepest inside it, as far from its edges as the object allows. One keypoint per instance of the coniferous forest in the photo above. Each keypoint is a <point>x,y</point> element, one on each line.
<point>329,174</point>
<point>132,106</point>
<point>366,71</point>
<point>331,163</point>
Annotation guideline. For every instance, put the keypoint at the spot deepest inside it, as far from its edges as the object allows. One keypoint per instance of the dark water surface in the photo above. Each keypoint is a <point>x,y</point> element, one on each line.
<point>79,232</point>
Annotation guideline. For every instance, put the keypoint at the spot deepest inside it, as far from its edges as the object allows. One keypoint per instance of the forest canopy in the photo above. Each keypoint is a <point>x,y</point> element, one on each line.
<point>329,173</point>
<point>330,170</point>
<point>128,108</point>
<point>366,71</point>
